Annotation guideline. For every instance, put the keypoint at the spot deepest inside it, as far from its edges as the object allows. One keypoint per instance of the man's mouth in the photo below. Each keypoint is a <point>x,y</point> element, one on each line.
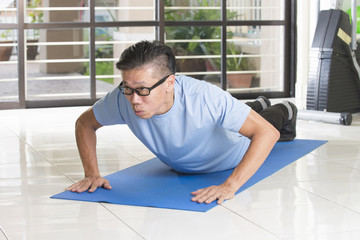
<point>138,111</point>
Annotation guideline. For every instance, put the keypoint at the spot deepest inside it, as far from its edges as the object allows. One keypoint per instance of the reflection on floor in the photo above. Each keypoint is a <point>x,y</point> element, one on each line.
<point>317,197</point>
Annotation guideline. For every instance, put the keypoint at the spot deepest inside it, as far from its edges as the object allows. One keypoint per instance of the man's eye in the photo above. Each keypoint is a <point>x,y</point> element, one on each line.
<point>127,89</point>
<point>143,90</point>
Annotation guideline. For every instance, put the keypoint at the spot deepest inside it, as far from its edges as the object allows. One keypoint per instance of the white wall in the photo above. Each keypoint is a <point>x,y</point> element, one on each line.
<point>305,23</point>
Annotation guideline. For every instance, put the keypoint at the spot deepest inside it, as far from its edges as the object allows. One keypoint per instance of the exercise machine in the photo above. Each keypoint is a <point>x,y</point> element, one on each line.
<point>334,75</point>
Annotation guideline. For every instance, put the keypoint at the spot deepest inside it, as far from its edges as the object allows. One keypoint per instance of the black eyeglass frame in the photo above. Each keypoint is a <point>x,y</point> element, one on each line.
<point>137,90</point>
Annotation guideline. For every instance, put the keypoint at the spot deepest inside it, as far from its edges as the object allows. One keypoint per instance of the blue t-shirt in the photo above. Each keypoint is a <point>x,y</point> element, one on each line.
<point>199,134</point>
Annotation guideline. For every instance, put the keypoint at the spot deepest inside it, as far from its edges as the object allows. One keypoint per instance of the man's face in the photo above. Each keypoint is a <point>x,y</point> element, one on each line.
<point>160,99</point>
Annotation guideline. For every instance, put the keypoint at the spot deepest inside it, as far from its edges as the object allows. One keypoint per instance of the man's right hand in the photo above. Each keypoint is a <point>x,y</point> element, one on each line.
<point>90,184</point>
<point>85,128</point>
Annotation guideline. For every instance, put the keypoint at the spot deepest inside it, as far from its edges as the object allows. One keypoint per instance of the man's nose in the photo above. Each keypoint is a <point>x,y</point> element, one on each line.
<point>135,98</point>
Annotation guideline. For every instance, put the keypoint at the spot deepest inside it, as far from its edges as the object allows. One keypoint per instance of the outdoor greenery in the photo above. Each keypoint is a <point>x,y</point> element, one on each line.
<point>36,16</point>
<point>238,63</point>
<point>195,32</point>
<point>102,68</point>
<point>203,32</point>
<point>5,34</point>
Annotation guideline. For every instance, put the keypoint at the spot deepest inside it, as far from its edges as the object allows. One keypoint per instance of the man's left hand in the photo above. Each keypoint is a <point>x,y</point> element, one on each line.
<point>212,193</point>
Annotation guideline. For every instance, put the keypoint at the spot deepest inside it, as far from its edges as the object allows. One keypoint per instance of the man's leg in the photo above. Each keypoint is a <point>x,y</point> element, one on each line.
<point>282,116</point>
<point>277,115</point>
<point>288,131</point>
<point>259,104</point>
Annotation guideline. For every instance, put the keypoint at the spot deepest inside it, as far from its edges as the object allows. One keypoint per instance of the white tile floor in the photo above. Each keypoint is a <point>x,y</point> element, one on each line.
<point>317,197</point>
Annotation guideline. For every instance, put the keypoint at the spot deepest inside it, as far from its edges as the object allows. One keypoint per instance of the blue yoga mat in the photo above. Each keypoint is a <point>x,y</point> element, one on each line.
<point>153,184</point>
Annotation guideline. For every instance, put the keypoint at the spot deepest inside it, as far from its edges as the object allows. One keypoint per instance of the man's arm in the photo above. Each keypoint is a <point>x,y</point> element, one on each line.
<point>85,131</point>
<point>263,137</point>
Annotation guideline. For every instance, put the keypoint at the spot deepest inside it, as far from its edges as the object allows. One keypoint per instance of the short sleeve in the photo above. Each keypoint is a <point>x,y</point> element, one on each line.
<point>229,112</point>
<point>107,110</point>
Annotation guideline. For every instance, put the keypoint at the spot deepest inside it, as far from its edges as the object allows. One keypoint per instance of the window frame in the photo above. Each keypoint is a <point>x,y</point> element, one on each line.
<point>289,24</point>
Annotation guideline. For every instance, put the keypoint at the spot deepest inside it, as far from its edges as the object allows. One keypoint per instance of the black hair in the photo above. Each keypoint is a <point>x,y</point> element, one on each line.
<point>148,53</point>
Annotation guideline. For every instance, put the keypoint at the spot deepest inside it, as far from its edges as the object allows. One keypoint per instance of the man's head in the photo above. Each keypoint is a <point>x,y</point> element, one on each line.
<point>147,70</point>
<point>154,54</point>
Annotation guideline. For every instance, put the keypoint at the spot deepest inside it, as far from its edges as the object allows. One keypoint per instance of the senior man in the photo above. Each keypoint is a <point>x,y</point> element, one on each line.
<point>190,125</point>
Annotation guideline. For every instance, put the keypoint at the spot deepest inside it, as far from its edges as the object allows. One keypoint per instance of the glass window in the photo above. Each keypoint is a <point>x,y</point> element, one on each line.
<point>256,61</point>
<point>255,10</point>
<point>119,10</point>
<point>109,44</point>
<point>193,10</point>
<point>197,50</point>
<point>8,11</point>
<point>56,70</point>
<point>46,11</point>
<point>8,66</point>
<point>59,56</point>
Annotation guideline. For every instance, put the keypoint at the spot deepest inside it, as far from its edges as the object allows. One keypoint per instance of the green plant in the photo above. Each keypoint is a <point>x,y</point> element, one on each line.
<point>102,68</point>
<point>236,60</point>
<point>196,32</point>
<point>35,15</point>
<point>5,51</point>
<point>241,63</point>
<point>5,34</point>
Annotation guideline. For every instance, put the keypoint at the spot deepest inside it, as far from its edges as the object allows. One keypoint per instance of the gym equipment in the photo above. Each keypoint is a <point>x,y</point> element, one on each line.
<point>328,117</point>
<point>334,82</point>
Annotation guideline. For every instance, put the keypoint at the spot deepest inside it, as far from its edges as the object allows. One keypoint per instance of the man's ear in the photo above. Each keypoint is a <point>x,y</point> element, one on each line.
<point>170,82</point>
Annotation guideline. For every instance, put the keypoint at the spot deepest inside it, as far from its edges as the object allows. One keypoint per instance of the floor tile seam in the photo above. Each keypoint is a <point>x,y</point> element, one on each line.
<point>325,159</point>
<point>293,185</point>
<point>132,155</point>
<point>250,221</point>
<point>53,165</point>
<point>319,180</point>
<point>338,162</point>
<point>323,234</point>
<point>138,158</point>
<point>121,220</point>
<point>322,159</point>
<point>9,129</point>
<point>275,207</point>
<point>329,200</point>
<point>301,204</point>
<point>41,155</point>
<point>323,180</point>
<point>4,233</point>
<point>288,237</point>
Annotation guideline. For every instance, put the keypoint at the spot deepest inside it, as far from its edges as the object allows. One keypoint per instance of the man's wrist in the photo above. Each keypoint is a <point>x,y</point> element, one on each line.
<point>232,184</point>
<point>94,173</point>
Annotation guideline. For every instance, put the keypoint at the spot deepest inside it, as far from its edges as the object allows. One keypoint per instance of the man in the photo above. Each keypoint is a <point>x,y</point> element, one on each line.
<point>190,125</point>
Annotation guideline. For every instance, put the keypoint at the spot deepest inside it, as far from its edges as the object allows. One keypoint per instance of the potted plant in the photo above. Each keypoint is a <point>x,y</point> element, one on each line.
<point>236,64</point>
<point>6,48</point>
<point>194,33</point>
<point>33,36</point>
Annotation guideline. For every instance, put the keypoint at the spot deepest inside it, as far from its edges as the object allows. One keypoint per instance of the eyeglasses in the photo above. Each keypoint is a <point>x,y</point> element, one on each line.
<point>144,91</point>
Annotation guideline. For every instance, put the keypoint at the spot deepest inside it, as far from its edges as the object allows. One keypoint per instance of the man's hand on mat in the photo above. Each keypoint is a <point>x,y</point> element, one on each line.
<point>89,183</point>
<point>212,193</point>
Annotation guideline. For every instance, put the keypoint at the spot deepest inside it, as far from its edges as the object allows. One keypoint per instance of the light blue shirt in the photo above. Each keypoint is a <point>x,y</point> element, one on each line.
<point>199,134</point>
